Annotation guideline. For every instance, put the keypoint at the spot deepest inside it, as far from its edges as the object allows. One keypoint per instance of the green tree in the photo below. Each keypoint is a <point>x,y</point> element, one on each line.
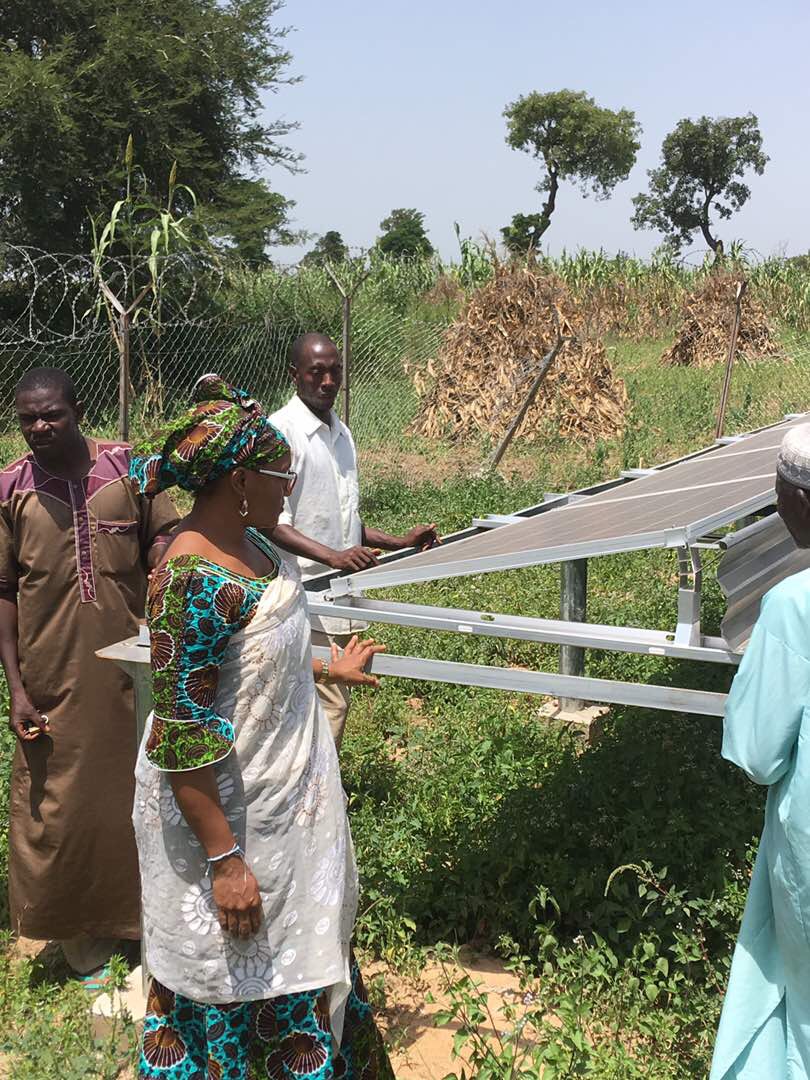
<point>185,78</point>
<point>404,235</point>
<point>248,217</point>
<point>574,139</point>
<point>523,232</point>
<point>329,248</point>
<point>702,162</point>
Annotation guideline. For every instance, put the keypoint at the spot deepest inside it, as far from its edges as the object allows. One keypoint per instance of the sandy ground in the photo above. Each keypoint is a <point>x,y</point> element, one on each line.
<point>419,1051</point>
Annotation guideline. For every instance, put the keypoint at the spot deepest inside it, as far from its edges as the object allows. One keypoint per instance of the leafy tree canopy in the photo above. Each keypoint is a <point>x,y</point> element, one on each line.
<point>574,139</point>
<point>702,162</point>
<point>404,235</point>
<point>250,217</point>
<point>184,78</point>
<point>329,248</point>
<point>523,232</point>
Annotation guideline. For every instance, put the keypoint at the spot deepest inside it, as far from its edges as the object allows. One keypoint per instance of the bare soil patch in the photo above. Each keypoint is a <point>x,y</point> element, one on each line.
<point>419,1050</point>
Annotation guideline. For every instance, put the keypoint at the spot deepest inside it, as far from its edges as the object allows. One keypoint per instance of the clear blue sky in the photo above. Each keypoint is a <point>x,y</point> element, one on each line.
<point>401,105</point>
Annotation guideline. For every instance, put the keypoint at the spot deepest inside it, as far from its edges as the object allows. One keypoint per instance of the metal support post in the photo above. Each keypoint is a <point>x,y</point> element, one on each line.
<point>347,293</point>
<point>573,606</point>
<point>123,376</point>
<point>690,580</point>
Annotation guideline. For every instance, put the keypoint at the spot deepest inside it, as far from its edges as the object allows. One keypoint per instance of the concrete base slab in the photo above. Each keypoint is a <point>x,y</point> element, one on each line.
<point>587,722</point>
<point>130,999</point>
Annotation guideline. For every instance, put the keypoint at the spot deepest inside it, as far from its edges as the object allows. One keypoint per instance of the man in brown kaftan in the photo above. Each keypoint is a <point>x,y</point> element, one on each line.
<point>75,547</point>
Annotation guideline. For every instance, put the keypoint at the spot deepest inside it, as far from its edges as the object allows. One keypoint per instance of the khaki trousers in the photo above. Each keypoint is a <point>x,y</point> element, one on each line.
<point>334,696</point>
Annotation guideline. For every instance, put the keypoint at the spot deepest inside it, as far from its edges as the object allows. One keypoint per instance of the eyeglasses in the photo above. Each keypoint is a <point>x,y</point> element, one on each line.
<point>290,477</point>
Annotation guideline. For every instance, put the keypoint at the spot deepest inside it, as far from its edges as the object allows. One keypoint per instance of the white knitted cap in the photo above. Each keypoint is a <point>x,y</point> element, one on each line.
<point>793,461</point>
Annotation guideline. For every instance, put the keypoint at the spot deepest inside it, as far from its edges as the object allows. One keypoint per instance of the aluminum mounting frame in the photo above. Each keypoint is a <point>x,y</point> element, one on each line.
<point>525,628</point>
<point>516,680</point>
<point>686,643</point>
<point>340,596</point>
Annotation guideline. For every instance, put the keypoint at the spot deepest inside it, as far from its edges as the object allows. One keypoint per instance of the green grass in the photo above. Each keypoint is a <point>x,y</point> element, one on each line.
<point>475,820</point>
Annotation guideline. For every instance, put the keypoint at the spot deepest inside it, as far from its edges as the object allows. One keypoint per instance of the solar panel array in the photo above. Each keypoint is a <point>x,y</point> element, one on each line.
<point>716,488</point>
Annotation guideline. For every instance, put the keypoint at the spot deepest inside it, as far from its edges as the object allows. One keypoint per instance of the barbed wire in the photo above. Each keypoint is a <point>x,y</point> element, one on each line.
<point>198,314</point>
<point>47,297</point>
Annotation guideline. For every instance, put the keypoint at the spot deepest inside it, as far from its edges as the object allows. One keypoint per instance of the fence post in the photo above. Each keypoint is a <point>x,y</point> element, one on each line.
<point>537,382</point>
<point>732,349</point>
<point>119,327</point>
<point>123,376</point>
<point>347,294</point>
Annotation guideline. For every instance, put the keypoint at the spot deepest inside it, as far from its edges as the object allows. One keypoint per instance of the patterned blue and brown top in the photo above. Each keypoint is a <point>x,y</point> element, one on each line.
<point>193,609</point>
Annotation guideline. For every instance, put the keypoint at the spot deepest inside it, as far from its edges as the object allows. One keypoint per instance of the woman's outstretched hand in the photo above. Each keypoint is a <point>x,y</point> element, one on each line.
<point>349,667</point>
<point>236,894</point>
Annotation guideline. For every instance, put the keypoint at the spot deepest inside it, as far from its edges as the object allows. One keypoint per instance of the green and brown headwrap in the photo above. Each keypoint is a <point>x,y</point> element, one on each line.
<point>225,429</point>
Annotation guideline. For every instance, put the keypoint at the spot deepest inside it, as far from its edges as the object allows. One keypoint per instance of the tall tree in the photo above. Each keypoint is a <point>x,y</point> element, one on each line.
<point>702,162</point>
<point>328,248</point>
<point>183,78</point>
<point>404,235</point>
<point>248,217</point>
<point>574,139</point>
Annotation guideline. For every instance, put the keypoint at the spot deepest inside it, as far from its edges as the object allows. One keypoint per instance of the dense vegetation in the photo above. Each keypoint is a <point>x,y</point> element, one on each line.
<point>475,820</point>
<point>183,80</point>
<point>624,294</point>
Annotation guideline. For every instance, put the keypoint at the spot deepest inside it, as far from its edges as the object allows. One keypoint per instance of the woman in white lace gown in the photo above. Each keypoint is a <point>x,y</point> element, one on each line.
<point>248,875</point>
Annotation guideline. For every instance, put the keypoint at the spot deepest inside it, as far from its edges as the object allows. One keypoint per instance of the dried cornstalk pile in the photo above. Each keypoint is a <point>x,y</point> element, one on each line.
<point>489,358</point>
<point>708,314</point>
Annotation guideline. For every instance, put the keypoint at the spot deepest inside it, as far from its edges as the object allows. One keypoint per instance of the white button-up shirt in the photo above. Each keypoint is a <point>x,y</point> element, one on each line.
<point>325,503</point>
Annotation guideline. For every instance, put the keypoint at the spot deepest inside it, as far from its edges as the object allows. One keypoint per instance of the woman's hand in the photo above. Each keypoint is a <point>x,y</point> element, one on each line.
<point>236,894</point>
<point>350,667</point>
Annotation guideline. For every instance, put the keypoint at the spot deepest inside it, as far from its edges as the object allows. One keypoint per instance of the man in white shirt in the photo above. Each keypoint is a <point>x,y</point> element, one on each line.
<point>321,521</point>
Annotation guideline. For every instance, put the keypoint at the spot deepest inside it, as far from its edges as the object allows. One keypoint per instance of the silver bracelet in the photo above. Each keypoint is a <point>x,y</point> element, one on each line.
<point>235,850</point>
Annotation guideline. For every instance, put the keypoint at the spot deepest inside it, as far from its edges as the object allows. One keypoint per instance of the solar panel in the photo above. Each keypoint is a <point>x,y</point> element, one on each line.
<point>756,558</point>
<point>667,508</point>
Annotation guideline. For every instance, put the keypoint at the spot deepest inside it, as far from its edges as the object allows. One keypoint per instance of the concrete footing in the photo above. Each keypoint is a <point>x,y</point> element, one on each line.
<point>130,999</point>
<point>586,722</point>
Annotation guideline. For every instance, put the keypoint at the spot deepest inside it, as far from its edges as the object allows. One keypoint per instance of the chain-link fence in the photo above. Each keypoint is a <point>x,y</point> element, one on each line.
<point>72,314</point>
<point>187,317</point>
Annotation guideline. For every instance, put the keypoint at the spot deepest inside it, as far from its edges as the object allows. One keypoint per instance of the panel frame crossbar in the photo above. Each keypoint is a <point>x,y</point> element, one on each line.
<point>516,680</point>
<point>354,584</point>
<point>628,639</point>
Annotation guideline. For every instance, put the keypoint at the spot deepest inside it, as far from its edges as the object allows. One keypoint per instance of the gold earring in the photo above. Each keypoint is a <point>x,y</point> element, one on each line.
<point>243,507</point>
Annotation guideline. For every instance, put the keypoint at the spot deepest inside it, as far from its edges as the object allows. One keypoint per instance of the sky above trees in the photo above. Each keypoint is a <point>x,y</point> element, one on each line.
<point>402,106</point>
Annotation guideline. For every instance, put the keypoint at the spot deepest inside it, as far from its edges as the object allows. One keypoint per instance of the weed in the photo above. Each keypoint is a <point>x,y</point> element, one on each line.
<point>46,1027</point>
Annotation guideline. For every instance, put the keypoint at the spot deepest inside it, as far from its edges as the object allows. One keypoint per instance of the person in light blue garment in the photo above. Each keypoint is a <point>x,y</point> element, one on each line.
<point>764,1029</point>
